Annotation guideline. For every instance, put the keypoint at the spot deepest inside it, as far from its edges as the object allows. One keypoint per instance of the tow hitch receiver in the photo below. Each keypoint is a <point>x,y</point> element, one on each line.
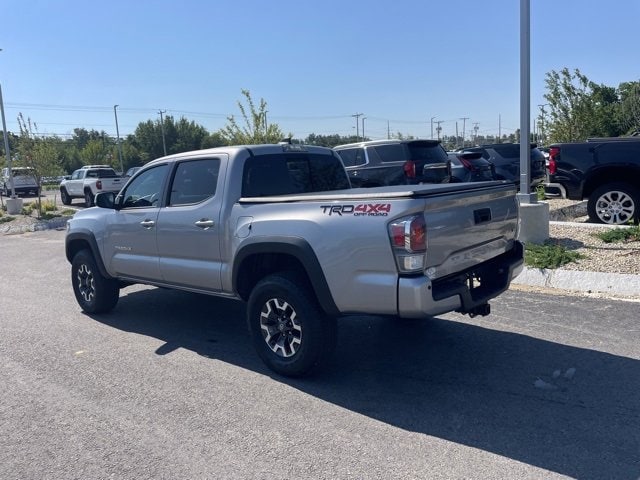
<point>483,310</point>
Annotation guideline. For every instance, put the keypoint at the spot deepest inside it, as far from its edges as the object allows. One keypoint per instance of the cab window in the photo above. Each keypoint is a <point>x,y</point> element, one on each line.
<point>146,189</point>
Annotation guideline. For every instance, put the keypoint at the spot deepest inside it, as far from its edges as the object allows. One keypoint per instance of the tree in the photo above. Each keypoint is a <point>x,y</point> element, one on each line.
<point>255,129</point>
<point>630,107</point>
<point>36,153</point>
<point>580,108</point>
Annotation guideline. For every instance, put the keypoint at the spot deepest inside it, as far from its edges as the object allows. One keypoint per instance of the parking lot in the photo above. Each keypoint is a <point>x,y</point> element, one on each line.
<point>168,386</point>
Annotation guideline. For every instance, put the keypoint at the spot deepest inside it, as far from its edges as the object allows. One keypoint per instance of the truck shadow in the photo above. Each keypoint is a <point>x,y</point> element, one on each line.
<point>569,410</point>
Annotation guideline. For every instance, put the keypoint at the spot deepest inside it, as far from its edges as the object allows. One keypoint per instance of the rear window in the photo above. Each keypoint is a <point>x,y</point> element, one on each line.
<point>391,153</point>
<point>102,173</point>
<point>283,174</point>
<point>427,152</point>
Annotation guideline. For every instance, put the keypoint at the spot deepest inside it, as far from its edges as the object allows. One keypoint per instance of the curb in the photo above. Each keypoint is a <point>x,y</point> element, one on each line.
<point>574,280</point>
<point>54,223</point>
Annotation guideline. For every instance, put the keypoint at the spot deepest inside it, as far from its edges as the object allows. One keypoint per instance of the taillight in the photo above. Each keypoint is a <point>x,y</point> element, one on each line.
<point>554,152</point>
<point>410,169</point>
<point>99,185</point>
<point>467,164</point>
<point>408,237</point>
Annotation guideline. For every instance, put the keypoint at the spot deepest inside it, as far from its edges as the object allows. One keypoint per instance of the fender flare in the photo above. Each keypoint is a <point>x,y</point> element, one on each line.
<point>86,237</point>
<point>299,249</point>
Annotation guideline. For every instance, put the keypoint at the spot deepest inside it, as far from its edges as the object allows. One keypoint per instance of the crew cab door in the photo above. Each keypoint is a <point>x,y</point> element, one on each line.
<point>130,245</point>
<point>189,230</point>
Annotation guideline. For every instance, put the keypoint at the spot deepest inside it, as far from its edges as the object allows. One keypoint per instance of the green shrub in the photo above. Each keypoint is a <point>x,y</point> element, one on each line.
<point>541,192</point>
<point>6,218</point>
<point>616,235</point>
<point>548,255</point>
<point>48,206</point>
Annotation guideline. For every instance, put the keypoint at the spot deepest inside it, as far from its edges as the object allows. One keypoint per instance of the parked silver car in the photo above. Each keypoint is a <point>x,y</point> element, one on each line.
<point>24,182</point>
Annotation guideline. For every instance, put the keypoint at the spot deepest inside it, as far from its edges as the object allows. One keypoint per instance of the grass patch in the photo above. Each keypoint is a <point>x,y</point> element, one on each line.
<point>617,235</point>
<point>6,218</point>
<point>68,212</point>
<point>548,255</point>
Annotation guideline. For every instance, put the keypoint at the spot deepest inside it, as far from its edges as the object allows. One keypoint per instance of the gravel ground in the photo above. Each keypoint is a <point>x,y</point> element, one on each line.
<point>578,235</point>
<point>574,233</point>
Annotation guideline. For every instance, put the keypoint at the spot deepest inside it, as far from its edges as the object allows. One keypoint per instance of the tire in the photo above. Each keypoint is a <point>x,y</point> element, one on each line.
<point>88,199</point>
<point>94,293</point>
<point>614,204</point>
<point>64,196</point>
<point>290,332</point>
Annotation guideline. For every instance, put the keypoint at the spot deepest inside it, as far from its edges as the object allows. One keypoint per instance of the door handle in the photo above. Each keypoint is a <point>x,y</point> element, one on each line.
<point>204,223</point>
<point>148,224</point>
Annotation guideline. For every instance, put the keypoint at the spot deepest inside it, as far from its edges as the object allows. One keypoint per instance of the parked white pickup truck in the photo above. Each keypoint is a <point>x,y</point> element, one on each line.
<point>88,181</point>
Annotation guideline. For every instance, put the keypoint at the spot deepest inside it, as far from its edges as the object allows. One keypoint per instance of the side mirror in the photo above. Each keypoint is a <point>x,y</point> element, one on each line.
<point>105,200</point>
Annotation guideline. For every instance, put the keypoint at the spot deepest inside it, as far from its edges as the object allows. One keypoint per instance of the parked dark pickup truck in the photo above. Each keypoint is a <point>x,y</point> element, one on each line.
<point>604,170</point>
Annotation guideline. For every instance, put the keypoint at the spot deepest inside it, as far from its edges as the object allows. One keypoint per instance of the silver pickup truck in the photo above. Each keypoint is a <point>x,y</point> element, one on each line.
<point>279,227</point>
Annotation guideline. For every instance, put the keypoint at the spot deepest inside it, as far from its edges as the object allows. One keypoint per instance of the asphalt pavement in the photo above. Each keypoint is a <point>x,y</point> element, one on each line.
<point>168,386</point>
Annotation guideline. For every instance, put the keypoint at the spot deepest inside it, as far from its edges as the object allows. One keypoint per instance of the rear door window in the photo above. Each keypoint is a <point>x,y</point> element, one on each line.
<point>194,181</point>
<point>352,157</point>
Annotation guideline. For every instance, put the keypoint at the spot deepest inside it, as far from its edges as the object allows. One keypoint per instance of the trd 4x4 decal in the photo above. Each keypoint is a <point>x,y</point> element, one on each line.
<point>360,210</point>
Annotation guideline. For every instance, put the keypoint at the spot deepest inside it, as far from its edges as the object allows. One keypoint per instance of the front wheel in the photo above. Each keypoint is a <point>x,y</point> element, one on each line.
<point>614,204</point>
<point>64,196</point>
<point>94,292</point>
<point>290,332</point>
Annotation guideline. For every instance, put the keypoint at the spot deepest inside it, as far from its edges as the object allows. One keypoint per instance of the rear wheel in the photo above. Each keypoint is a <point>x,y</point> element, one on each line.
<point>64,196</point>
<point>290,332</point>
<point>614,204</point>
<point>94,292</point>
<point>88,199</point>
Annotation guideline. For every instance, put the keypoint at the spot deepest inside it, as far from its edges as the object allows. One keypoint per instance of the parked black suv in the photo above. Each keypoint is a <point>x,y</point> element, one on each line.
<point>395,162</point>
<point>506,159</point>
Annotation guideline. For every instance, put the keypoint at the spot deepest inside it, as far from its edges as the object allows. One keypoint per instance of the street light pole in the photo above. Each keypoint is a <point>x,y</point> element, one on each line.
<point>363,137</point>
<point>115,113</point>
<point>432,127</point>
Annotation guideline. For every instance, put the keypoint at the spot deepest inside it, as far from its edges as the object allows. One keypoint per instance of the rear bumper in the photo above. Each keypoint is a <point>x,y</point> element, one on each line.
<point>419,297</point>
<point>23,190</point>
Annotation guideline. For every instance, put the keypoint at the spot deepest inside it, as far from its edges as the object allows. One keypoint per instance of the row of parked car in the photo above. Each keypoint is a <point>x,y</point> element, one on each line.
<point>401,162</point>
<point>390,162</point>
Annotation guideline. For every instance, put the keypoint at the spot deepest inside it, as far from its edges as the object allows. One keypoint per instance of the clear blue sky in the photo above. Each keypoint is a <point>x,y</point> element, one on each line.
<point>65,64</point>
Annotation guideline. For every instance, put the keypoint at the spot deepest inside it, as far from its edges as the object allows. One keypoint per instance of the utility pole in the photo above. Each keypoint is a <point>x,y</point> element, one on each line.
<point>457,134</point>
<point>115,113</point>
<point>464,121</point>
<point>499,129</point>
<point>164,145</point>
<point>363,137</point>
<point>432,127</point>
<point>439,128</point>
<point>357,117</point>
<point>388,131</point>
<point>475,133</point>
<point>5,134</point>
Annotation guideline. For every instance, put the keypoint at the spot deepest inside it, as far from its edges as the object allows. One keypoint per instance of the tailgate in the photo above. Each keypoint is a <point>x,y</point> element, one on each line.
<point>112,184</point>
<point>468,227</point>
